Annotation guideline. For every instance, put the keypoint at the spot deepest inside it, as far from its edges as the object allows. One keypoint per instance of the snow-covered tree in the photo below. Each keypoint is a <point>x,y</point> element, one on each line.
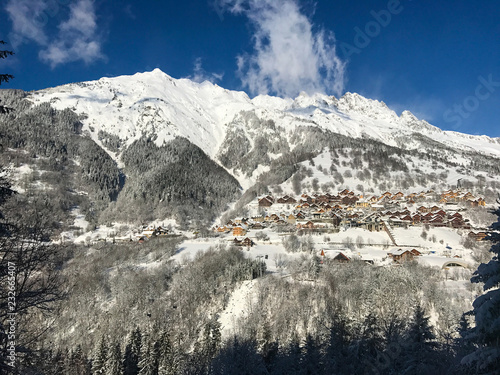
<point>99,357</point>
<point>486,333</point>
<point>148,364</point>
<point>114,361</point>
<point>421,345</point>
<point>132,353</point>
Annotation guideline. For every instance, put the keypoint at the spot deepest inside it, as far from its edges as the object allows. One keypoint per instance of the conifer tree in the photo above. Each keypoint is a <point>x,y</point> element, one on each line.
<point>79,365</point>
<point>486,311</point>
<point>100,357</point>
<point>132,353</point>
<point>421,343</point>
<point>4,77</point>
<point>114,361</point>
<point>169,363</point>
<point>149,360</point>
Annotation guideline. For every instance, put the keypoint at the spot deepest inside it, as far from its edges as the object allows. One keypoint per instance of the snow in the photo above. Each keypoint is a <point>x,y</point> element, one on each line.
<point>242,298</point>
<point>155,103</point>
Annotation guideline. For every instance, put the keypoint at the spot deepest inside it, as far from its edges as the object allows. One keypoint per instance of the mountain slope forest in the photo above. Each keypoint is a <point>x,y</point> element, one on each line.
<point>147,149</point>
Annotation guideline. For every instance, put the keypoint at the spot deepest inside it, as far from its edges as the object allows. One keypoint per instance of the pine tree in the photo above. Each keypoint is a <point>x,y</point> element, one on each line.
<point>486,311</point>
<point>149,360</point>
<point>114,361</point>
<point>100,357</point>
<point>421,344</point>
<point>169,361</point>
<point>5,77</point>
<point>132,353</point>
<point>79,365</point>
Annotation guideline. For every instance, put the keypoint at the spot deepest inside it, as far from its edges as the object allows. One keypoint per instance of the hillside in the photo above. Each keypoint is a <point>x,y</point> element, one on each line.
<point>153,127</point>
<point>196,230</point>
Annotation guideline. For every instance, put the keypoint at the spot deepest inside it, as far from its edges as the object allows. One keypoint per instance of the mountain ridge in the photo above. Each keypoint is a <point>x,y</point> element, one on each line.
<point>155,103</point>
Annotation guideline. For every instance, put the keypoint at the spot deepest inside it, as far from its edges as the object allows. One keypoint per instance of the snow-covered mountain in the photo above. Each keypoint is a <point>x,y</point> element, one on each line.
<point>148,146</point>
<point>154,103</point>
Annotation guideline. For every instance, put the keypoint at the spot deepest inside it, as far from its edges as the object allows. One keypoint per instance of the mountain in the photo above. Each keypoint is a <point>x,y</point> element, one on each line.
<point>173,147</point>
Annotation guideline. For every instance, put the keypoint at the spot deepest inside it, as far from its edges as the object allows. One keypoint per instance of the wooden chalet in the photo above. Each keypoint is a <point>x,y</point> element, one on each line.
<point>239,231</point>
<point>265,202</point>
<point>341,258</point>
<point>400,256</point>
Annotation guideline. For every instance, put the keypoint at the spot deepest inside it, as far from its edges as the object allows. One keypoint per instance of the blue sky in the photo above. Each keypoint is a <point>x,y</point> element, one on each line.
<point>438,59</point>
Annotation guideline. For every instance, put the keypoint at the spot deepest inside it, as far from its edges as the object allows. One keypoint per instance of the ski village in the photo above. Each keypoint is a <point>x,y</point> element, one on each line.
<point>429,227</point>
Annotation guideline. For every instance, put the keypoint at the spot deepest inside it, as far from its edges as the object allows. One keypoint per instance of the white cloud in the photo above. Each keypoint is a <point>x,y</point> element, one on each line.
<point>28,21</point>
<point>200,75</point>
<point>289,55</point>
<point>76,40</point>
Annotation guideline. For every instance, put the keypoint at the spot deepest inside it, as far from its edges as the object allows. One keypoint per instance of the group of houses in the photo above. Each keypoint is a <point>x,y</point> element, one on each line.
<point>328,212</point>
<point>146,232</point>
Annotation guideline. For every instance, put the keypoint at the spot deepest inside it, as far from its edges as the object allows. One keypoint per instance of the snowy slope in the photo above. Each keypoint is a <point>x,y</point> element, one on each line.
<point>154,103</point>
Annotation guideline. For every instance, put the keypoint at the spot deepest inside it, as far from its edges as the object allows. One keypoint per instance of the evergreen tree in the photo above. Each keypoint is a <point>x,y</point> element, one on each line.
<point>132,353</point>
<point>4,77</point>
<point>100,357</point>
<point>169,361</point>
<point>114,361</point>
<point>421,345</point>
<point>79,365</point>
<point>149,360</point>
<point>486,334</point>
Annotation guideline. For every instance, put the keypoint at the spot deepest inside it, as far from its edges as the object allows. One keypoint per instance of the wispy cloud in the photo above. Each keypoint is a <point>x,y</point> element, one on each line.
<point>27,18</point>
<point>289,54</point>
<point>200,75</point>
<point>76,40</point>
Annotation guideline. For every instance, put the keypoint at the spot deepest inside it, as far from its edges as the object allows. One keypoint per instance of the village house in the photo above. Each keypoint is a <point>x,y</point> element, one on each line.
<point>239,230</point>
<point>341,258</point>
<point>400,256</point>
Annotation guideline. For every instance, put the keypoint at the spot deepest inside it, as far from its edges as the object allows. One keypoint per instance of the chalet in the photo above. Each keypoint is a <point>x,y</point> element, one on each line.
<point>363,203</point>
<point>291,219</point>
<point>415,252</point>
<point>423,210</point>
<point>456,222</point>
<point>400,256</point>
<point>222,229</point>
<point>441,213</point>
<point>257,226</point>
<point>265,202</point>
<point>398,195</point>
<point>247,242</point>
<point>286,200</point>
<point>341,258</point>
<point>239,230</point>
<point>344,193</point>
<point>274,217</point>
<point>407,218</point>
<point>416,219</point>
